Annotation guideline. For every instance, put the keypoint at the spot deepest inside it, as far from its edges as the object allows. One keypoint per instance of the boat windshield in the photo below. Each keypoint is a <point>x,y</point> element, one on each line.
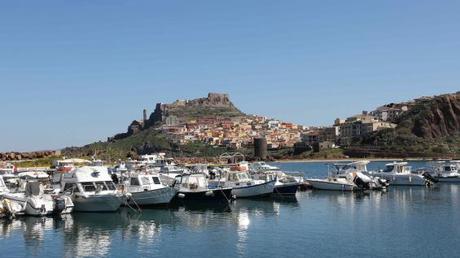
<point>197,182</point>
<point>88,187</point>
<point>388,168</point>
<point>101,186</point>
<point>243,176</point>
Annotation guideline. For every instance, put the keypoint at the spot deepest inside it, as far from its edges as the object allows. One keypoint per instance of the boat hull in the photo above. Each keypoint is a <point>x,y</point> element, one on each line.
<point>330,185</point>
<point>286,189</point>
<point>406,179</point>
<point>448,179</point>
<point>257,190</point>
<point>97,203</point>
<point>153,197</point>
<point>209,195</point>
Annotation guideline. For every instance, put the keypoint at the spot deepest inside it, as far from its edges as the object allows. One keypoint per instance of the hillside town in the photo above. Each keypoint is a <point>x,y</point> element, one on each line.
<point>240,131</point>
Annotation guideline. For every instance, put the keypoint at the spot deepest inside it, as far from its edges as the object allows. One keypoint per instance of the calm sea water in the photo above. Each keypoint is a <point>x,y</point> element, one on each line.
<point>403,222</point>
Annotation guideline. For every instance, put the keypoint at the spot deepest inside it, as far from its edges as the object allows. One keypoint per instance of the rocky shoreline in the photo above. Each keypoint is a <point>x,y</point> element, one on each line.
<point>15,156</point>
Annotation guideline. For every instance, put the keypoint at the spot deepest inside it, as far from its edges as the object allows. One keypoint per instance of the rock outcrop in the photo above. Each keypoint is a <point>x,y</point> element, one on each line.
<point>10,156</point>
<point>434,118</point>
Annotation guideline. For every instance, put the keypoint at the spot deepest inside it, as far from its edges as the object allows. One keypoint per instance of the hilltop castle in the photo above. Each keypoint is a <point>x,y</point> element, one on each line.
<point>180,110</point>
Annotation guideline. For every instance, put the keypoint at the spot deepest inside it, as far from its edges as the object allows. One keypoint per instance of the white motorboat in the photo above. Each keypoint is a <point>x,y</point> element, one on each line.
<point>35,202</point>
<point>338,180</point>
<point>196,187</point>
<point>399,173</point>
<point>361,176</point>
<point>7,207</point>
<point>443,171</point>
<point>285,183</point>
<point>243,186</point>
<point>333,184</point>
<point>91,189</point>
<point>147,189</point>
<point>261,166</point>
<point>168,173</point>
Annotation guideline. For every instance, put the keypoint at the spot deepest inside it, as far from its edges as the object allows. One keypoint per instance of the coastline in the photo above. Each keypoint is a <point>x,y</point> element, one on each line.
<point>350,160</point>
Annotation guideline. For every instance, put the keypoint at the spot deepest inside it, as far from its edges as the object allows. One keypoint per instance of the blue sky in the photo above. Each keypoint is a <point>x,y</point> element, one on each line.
<point>74,72</point>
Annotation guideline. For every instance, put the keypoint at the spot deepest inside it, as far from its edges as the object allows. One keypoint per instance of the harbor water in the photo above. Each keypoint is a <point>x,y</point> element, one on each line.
<point>402,222</point>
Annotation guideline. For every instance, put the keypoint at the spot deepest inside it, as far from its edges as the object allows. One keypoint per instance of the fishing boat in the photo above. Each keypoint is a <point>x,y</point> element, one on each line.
<point>197,187</point>
<point>399,173</point>
<point>147,190</point>
<point>91,189</point>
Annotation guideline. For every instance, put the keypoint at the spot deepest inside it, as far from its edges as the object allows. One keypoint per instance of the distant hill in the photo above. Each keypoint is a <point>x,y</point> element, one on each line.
<point>143,135</point>
<point>431,128</point>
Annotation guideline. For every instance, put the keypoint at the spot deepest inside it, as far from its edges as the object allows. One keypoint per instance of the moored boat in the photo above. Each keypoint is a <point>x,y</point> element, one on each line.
<point>91,189</point>
<point>147,190</point>
<point>399,173</point>
<point>196,187</point>
<point>243,186</point>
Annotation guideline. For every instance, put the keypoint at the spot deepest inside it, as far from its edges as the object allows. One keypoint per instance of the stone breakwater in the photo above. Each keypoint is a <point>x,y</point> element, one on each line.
<point>11,156</point>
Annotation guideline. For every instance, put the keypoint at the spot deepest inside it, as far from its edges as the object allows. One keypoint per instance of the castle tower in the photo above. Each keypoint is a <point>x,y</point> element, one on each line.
<point>144,117</point>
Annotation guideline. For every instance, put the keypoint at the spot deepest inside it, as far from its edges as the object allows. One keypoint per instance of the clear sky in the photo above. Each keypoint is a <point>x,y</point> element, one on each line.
<point>74,72</point>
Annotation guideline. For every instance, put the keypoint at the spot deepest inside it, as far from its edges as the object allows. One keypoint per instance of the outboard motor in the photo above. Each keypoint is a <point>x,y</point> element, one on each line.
<point>59,205</point>
<point>361,184</point>
<point>431,180</point>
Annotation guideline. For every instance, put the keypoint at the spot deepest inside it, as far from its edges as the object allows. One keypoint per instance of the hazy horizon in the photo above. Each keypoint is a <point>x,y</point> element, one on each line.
<point>72,73</point>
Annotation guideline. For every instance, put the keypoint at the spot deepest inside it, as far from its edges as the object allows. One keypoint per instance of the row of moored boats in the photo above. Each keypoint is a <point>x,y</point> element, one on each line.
<point>89,186</point>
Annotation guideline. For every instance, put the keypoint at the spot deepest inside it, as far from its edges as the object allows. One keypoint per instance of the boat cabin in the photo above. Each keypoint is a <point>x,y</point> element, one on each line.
<point>87,179</point>
<point>143,182</point>
<point>192,182</point>
<point>238,177</point>
<point>397,167</point>
<point>153,160</point>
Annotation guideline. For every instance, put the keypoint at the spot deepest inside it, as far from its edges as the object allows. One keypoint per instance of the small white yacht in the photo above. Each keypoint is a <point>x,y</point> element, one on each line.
<point>399,173</point>
<point>196,187</point>
<point>332,184</point>
<point>243,186</point>
<point>147,189</point>
<point>35,202</point>
<point>443,171</point>
<point>361,175</point>
<point>8,207</point>
<point>261,166</point>
<point>285,183</point>
<point>91,189</point>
